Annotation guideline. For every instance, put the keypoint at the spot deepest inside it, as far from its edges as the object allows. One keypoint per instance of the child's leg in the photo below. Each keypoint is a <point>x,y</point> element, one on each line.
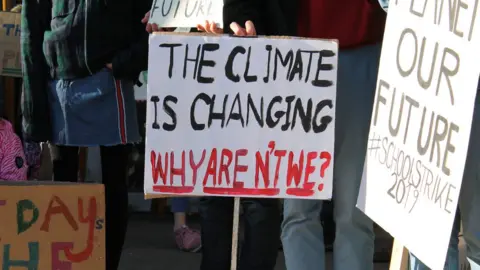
<point>179,208</point>
<point>186,238</point>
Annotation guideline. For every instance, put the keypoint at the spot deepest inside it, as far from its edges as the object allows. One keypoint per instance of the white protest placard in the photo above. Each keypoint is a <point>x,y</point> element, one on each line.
<point>186,13</point>
<point>421,123</point>
<point>243,117</point>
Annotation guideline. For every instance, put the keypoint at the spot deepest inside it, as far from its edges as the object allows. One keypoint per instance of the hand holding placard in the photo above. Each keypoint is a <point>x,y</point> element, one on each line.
<point>211,27</point>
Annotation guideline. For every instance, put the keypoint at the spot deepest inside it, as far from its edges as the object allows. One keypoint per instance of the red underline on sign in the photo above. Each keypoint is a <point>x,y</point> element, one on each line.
<point>3,202</point>
<point>170,189</point>
<point>241,191</point>
<point>300,192</point>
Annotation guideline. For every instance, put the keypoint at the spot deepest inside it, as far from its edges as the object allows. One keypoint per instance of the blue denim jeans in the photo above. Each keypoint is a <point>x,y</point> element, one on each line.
<point>94,110</point>
<point>469,205</point>
<point>179,204</point>
<point>302,233</point>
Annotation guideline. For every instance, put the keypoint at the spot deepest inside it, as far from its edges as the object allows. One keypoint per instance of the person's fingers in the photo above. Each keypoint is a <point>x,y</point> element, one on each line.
<point>146,17</point>
<point>237,29</point>
<point>215,29</point>
<point>211,27</point>
<point>153,27</point>
<point>250,28</point>
<point>149,28</point>
<point>200,28</point>
<point>208,27</point>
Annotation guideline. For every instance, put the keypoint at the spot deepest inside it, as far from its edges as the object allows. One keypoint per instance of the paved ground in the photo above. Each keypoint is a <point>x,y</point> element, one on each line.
<point>150,246</point>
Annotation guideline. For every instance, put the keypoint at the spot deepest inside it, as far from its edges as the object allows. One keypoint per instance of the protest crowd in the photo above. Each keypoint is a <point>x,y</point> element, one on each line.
<point>81,61</point>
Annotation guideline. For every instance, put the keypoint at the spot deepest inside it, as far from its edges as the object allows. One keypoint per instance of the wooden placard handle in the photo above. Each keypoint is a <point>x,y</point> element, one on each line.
<point>399,260</point>
<point>236,219</point>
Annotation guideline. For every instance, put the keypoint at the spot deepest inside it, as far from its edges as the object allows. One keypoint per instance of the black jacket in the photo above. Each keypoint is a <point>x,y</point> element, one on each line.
<point>70,39</point>
<point>271,17</point>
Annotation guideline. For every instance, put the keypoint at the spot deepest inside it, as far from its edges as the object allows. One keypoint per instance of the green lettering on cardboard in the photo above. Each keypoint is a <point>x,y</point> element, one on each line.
<point>22,224</point>
<point>31,264</point>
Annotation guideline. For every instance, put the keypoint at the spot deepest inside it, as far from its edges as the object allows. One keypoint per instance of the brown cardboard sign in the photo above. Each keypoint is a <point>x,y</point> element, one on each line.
<point>10,44</point>
<point>47,225</point>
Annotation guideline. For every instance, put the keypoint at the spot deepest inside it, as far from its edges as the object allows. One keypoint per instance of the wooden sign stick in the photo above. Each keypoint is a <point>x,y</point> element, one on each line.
<point>399,260</point>
<point>236,219</point>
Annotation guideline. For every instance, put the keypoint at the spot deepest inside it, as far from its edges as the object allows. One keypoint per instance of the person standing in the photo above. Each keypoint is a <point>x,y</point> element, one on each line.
<point>80,60</point>
<point>262,224</point>
<point>358,26</point>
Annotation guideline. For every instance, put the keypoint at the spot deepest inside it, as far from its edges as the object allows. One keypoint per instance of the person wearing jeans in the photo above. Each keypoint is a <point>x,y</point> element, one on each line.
<point>359,29</point>
<point>359,26</point>
<point>261,216</point>
<point>186,238</point>
<point>80,61</point>
<point>302,234</point>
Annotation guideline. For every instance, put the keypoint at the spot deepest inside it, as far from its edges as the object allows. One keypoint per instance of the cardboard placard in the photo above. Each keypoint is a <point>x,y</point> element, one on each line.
<point>421,122</point>
<point>10,58</point>
<point>186,13</point>
<point>240,117</point>
<point>48,225</point>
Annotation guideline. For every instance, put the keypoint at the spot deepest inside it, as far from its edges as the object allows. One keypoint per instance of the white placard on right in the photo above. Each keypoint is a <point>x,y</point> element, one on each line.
<point>421,121</point>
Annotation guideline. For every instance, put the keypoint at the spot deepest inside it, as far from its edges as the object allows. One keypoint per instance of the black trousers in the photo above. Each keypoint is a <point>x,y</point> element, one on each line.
<point>262,233</point>
<point>114,175</point>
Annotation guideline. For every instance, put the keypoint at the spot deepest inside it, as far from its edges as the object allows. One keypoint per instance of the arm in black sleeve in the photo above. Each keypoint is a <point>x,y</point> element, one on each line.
<point>35,21</point>
<point>240,11</point>
<point>130,62</point>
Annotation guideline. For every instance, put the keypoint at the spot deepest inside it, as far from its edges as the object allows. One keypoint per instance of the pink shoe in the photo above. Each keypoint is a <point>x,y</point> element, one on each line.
<point>188,240</point>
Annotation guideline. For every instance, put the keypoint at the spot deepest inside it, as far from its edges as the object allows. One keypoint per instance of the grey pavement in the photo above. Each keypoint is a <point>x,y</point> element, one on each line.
<point>150,246</point>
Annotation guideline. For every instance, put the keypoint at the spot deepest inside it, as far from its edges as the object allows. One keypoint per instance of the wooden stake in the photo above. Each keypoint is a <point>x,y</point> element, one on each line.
<point>7,4</point>
<point>399,260</point>
<point>236,219</point>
